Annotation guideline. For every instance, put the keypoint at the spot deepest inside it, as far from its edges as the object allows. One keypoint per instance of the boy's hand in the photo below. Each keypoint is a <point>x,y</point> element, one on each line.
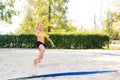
<point>51,42</point>
<point>53,45</point>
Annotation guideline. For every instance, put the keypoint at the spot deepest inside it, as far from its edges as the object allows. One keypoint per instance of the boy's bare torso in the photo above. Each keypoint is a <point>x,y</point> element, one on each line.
<point>40,38</point>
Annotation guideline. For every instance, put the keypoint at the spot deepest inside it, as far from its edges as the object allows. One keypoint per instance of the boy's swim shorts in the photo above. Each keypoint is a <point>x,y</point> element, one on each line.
<point>38,43</point>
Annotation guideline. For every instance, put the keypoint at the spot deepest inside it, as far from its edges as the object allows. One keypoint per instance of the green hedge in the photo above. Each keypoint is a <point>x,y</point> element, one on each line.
<point>14,41</point>
<point>66,41</point>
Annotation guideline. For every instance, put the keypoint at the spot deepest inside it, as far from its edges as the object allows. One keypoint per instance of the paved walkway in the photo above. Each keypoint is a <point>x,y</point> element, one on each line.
<point>96,64</point>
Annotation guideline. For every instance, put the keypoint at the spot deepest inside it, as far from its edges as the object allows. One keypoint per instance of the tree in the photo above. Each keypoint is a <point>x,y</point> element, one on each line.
<point>108,23</point>
<point>7,10</point>
<point>113,17</point>
<point>27,26</point>
<point>116,16</point>
<point>116,12</point>
<point>49,11</point>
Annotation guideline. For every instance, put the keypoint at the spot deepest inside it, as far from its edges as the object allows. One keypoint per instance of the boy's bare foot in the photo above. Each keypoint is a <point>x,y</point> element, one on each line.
<point>36,61</point>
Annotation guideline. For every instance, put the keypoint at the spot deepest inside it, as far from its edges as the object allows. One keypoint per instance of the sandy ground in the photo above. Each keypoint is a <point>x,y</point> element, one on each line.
<point>16,63</point>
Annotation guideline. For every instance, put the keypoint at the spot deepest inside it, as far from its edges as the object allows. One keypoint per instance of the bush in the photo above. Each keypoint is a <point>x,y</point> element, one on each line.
<point>17,41</point>
<point>66,41</point>
<point>79,41</point>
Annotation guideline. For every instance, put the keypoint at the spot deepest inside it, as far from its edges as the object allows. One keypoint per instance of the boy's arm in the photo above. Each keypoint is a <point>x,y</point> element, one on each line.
<point>50,41</point>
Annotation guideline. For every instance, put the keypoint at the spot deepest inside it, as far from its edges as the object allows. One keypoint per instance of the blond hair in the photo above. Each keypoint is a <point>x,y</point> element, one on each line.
<point>40,23</point>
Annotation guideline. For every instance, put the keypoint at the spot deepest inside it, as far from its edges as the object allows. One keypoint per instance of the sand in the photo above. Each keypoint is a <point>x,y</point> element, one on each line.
<point>17,63</point>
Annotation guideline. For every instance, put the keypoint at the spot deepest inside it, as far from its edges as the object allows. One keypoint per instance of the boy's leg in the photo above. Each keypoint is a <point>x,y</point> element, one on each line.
<point>40,55</point>
<point>41,52</point>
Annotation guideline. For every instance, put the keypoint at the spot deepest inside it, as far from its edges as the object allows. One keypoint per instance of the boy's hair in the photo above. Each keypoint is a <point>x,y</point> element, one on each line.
<point>39,23</point>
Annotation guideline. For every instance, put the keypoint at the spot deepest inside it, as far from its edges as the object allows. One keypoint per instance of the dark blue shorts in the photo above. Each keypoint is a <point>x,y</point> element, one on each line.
<point>38,43</point>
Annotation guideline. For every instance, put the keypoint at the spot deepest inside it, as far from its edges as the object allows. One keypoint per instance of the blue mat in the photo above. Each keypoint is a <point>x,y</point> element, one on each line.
<point>65,74</point>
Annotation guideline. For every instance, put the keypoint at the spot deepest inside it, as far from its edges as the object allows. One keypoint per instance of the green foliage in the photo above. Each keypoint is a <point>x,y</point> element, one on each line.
<point>28,25</point>
<point>7,10</point>
<point>79,41</point>
<point>49,11</point>
<point>71,28</point>
<point>17,41</point>
<point>66,41</point>
<point>111,18</point>
<point>108,24</point>
<point>116,16</point>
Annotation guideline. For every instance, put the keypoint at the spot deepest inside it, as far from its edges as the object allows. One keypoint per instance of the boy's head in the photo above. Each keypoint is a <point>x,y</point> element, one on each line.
<point>40,25</point>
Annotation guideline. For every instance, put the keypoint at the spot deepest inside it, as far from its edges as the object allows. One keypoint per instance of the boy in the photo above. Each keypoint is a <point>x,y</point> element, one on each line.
<point>40,34</point>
